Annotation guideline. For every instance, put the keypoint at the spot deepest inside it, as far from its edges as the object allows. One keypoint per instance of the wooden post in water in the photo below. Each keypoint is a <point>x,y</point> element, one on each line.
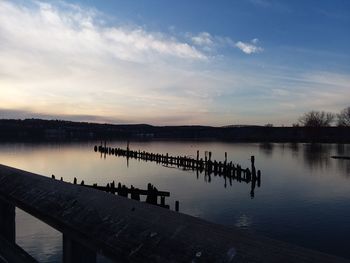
<point>177,206</point>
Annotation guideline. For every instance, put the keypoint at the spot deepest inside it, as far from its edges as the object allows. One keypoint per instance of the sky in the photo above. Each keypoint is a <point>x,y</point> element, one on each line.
<point>178,62</point>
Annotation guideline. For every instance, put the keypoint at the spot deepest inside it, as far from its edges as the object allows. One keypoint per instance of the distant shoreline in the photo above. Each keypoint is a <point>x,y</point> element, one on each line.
<point>57,130</point>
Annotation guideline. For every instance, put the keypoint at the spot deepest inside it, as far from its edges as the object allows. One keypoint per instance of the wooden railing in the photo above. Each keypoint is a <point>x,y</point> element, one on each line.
<point>125,230</point>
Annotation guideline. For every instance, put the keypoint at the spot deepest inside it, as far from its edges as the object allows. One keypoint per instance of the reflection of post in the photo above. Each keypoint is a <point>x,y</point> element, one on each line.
<point>105,150</point>
<point>7,221</point>
<point>259,178</point>
<point>252,189</point>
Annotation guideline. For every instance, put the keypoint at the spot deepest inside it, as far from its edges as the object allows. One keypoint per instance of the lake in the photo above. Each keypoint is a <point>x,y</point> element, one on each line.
<point>304,196</point>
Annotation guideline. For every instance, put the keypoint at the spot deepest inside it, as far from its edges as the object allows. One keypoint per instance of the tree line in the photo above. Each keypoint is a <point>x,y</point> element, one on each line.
<point>325,119</point>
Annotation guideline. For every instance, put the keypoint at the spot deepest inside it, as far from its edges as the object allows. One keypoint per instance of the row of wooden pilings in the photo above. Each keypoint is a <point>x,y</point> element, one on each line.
<point>207,165</point>
<point>152,193</point>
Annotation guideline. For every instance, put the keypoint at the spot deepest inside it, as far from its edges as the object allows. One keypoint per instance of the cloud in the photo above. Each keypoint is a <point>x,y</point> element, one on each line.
<point>70,29</point>
<point>203,39</point>
<point>255,41</point>
<point>64,60</point>
<point>28,114</point>
<point>249,48</point>
<point>209,43</point>
<point>272,5</point>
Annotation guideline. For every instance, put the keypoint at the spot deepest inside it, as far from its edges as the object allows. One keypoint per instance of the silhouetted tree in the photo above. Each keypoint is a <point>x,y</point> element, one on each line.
<point>317,119</point>
<point>344,117</point>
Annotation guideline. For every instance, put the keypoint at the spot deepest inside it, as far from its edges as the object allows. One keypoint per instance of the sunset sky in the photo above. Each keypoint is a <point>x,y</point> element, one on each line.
<point>174,62</point>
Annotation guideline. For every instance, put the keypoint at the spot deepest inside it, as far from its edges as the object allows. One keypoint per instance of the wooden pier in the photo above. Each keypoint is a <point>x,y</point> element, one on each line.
<point>151,193</point>
<point>207,165</point>
<point>227,170</point>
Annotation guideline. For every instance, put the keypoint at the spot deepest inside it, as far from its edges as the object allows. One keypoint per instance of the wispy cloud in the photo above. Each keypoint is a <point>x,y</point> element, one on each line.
<point>203,39</point>
<point>64,60</point>
<point>75,30</point>
<point>278,6</point>
<point>249,48</point>
<point>208,42</point>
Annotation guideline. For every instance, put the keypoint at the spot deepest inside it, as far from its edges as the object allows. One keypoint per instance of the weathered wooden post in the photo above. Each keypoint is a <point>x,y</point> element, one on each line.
<point>75,252</point>
<point>7,221</point>
<point>134,193</point>
<point>177,206</point>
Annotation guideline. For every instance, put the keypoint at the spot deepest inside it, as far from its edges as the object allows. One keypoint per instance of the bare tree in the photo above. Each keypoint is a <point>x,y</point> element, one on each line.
<point>317,119</point>
<point>344,117</point>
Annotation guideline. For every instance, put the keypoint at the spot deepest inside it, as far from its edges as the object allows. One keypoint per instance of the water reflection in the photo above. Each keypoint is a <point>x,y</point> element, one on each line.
<point>266,148</point>
<point>243,221</point>
<point>315,156</point>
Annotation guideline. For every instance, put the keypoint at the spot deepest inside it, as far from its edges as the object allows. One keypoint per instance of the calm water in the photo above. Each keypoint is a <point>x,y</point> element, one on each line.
<point>304,197</point>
